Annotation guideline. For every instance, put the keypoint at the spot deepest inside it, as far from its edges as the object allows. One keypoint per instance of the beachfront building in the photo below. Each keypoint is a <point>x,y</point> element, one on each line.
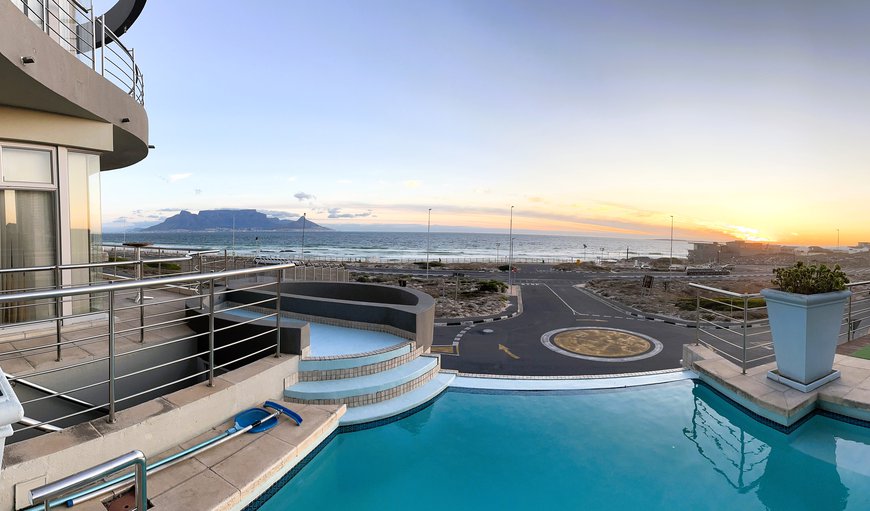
<point>720,252</point>
<point>71,106</point>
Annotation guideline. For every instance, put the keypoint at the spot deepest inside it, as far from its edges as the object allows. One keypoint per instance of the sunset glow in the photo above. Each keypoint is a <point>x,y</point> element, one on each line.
<point>736,123</point>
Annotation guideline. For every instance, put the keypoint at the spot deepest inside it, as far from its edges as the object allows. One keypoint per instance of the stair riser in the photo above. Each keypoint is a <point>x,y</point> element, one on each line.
<point>353,372</point>
<point>367,399</point>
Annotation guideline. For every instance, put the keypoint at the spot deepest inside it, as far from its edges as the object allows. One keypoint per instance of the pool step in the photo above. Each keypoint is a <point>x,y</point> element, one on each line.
<point>399,404</point>
<point>368,389</point>
<point>333,368</point>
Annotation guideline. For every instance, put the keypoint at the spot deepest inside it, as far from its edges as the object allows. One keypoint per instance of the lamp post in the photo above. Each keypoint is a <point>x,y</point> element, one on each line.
<point>497,244</point>
<point>511,251</point>
<point>671,258</point>
<point>302,255</point>
<point>428,230</point>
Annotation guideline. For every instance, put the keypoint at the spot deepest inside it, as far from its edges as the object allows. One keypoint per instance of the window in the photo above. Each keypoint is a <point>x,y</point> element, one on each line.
<point>24,165</point>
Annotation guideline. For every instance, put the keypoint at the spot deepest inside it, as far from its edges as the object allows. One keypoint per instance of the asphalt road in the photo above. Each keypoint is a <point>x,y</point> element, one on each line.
<point>550,302</point>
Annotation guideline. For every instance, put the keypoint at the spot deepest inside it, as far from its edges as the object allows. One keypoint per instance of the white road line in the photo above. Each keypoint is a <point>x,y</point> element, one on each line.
<point>560,298</point>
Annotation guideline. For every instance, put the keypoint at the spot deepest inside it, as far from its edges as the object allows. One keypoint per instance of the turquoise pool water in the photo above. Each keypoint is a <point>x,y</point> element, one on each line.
<point>331,340</point>
<point>664,447</point>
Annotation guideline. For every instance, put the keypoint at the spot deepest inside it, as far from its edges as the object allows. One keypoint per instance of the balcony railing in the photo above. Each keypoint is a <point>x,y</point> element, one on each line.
<point>76,29</point>
<point>144,348</point>
<point>735,325</point>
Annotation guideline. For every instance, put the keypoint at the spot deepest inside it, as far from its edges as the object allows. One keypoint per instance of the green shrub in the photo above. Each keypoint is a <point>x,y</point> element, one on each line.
<point>810,279</point>
<point>432,264</point>
<point>491,286</point>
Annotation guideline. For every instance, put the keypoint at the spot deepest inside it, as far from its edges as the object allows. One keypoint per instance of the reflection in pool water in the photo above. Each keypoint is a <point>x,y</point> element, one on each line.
<point>664,447</point>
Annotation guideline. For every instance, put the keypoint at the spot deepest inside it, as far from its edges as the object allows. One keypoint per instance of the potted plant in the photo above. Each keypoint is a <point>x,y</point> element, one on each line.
<point>805,313</point>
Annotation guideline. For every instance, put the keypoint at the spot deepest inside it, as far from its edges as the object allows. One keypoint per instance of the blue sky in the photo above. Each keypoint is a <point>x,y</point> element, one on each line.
<point>740,118</point>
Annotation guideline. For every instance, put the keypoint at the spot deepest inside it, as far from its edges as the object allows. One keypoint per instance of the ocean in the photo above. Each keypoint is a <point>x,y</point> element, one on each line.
<point>410,246</point>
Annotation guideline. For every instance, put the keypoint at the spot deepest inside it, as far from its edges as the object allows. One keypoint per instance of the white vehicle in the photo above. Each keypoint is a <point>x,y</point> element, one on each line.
<point>677,267</point>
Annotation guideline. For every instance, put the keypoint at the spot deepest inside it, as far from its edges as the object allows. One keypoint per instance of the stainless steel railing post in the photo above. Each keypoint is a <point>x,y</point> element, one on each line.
<point>278,275</point>
<point>103,45</point>
<point>697,317</point>
<point>201,270</point>
<point>849,320</point>
<point>745,325</point>
<point>58,304</point>
<point>111,418</point>
<point>211,306</point>
<point>93,38</point>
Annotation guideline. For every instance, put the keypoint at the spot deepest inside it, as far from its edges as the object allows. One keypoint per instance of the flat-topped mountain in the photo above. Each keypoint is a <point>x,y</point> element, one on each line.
<point>228,219</point>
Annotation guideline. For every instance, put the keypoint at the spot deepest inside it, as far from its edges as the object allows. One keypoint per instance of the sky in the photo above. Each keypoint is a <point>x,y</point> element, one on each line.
<point>738,118</point>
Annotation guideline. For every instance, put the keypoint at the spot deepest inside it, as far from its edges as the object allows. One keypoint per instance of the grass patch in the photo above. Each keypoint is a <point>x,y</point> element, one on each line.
<point>862,353</point>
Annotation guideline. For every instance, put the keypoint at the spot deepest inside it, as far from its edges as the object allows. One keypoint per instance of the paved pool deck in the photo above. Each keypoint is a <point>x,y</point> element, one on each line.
<point>233,474</point>
<point>848,396</point>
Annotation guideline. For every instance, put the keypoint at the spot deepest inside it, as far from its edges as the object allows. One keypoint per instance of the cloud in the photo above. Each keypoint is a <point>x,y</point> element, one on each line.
<point>304,196</point>
<point>174,178</point>
<point>412,183</point>
<point>344,181</point>
<point>291,178</point>
<point>288,215</point>
<point>537,199</point>
<point>336,213</point>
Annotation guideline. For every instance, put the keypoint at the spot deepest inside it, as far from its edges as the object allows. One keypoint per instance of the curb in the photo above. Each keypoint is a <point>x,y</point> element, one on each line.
<point>467,322</point>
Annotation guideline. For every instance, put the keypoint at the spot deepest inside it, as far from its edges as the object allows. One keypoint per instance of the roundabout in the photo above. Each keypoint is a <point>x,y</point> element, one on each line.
<point>601,344</point>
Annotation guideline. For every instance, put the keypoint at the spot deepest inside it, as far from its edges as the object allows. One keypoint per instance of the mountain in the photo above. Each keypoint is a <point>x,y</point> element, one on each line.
<point>227,219</point>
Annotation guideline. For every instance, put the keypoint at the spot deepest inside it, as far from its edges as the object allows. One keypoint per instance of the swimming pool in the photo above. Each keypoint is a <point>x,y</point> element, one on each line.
<point>662,447</point>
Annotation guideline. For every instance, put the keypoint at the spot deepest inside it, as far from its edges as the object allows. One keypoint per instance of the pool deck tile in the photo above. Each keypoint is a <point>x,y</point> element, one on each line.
<point>850,394</point>
<point>484,382</point>
<point>205,490</point>
<point>229,475</point>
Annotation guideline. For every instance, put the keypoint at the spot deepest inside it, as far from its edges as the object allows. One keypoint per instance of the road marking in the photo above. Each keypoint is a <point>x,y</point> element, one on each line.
<point>560,298</point>
<point>593,320</point>
<point>505,349</point>
<point>446,350</point>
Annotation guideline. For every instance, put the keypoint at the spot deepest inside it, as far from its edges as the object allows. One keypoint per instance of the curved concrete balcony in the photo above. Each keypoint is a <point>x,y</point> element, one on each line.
<point>61,60</point>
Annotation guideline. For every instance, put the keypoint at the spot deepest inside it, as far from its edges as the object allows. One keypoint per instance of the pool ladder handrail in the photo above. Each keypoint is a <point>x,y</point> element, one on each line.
<point>46,493</point>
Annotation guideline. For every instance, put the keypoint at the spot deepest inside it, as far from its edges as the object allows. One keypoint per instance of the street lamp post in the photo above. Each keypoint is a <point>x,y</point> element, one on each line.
<point>302,255</point>
<point>511,251</point>
<point>428,230</point>
<point>671,258</point>
<point>497,244</point>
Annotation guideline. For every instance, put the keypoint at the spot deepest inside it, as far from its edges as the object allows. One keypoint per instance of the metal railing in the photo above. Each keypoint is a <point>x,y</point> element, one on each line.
<point>152,341</point>
<point>197,265</point>
<point>78,30</point>
<point>735,325</point>
<point>44,495</point>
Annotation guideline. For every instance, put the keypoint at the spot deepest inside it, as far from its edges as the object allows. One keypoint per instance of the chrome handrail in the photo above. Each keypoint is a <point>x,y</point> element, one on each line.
<point>116,330</point>
<point>77,32</point>
<point>46,493</point>
<point>136,284</point>
<point>714,333</point>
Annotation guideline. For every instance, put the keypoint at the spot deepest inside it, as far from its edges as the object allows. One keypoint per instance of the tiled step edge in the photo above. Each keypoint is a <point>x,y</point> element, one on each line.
<point>320,370</point>
<point>399,404</point>
<point>362,399</point>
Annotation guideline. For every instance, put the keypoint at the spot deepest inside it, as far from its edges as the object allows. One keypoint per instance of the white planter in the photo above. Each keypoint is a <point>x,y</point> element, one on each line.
<point>10,412</point>
<point>805,330</point>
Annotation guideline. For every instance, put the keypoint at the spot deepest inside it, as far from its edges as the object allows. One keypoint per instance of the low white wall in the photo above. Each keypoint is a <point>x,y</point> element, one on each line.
<point>151,427</point>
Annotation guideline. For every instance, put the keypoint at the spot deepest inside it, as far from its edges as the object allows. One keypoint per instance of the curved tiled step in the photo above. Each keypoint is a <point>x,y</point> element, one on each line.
<point>310,365</point>
<point>397,405</point>
<point>374,387</point>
